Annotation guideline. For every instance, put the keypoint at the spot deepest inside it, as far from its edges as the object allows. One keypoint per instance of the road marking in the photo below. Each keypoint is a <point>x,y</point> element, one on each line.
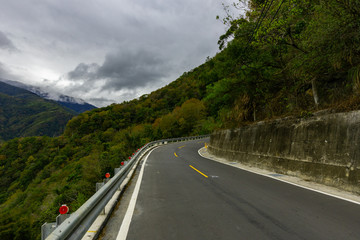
<point>125,225</point>
<point>92,231</point>
<point>181,147</point>
<point>175,154</point>
<point>275,175</point>
<point>198,171</point>
<point>285,181</point>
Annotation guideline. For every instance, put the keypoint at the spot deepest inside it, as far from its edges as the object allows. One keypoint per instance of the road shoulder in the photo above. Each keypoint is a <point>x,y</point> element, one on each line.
<point>304,183</point>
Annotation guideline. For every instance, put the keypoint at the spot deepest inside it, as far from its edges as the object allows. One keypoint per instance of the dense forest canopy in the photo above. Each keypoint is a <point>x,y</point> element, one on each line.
<point>284,58</point>
<point>293,56</point>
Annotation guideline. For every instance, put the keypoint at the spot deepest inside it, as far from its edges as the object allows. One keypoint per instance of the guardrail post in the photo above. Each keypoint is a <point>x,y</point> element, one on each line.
<point>47,229</point>
<point>61,218</point>
<point>98,186</point>
<point>116,170</point>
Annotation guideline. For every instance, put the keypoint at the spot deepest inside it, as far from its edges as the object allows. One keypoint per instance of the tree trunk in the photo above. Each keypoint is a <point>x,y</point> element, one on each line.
<point>254,111</point>
<point>315,93</point>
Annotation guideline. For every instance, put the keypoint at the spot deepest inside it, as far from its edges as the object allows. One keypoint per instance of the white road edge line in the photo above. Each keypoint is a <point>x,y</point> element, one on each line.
<point>130,211</point>
<point>282,180</point>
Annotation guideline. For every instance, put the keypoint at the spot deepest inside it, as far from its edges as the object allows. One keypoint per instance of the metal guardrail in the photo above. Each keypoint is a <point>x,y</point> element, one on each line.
<point>77,224</point>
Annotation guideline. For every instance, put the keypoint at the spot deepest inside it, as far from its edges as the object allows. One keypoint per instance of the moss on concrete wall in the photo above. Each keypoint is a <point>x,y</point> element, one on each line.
<point>324,148</point>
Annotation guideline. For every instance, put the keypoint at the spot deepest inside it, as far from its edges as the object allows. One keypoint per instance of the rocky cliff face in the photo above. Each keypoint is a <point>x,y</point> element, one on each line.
<point>324,148</point>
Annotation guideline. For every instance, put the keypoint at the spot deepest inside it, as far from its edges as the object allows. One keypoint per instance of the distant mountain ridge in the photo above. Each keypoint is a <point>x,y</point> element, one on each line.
<point>23,113</point>
<point>76,104</point>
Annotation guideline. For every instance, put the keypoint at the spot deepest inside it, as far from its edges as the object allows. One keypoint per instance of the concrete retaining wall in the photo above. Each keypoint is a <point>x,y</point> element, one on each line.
<point>324,148</point>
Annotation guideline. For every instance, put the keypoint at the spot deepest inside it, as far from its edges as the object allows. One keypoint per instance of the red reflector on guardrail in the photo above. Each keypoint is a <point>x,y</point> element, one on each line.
<point>64,209</point>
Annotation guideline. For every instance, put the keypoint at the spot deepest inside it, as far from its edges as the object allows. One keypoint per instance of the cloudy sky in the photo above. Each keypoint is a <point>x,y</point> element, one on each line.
<point>106,51</point>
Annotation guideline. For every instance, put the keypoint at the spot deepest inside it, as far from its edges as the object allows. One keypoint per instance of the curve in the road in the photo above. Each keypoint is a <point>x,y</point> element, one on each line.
<point>176,201</point>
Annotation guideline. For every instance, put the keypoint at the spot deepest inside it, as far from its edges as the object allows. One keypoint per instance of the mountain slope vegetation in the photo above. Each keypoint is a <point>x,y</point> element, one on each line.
<point>285,58</point>
<point>23,113</point>
<point>74,104</point>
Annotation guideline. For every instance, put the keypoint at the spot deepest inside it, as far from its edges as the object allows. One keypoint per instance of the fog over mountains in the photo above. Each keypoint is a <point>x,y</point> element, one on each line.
<point>24,114</point>
<point>76,104</point>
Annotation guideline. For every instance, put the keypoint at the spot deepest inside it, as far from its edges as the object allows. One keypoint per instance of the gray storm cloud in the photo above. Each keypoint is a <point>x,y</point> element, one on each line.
<point>106,50</point>
<point>85,71</point>
<point>5,73</point>
<point>5,42</point>
<point>123,70</point>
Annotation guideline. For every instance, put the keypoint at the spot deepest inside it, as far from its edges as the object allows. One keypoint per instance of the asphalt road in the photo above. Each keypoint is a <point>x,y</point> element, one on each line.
<point>184,196</point>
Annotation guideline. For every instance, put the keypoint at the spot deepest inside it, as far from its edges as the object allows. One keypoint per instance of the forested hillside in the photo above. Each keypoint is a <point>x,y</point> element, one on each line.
<point>289,57</point>
<point>23,113</point>
<point>71,104</point>
<point>285,58</point>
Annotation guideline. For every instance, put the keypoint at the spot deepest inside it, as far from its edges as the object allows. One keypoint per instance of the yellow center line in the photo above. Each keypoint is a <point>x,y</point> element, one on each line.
<point>92,231</point>
<point>198,171</point>
<point>175,154</point>
<point>181,146</point>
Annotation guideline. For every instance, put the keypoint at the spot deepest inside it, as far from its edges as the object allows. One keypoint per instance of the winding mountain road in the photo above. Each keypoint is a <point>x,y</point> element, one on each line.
<point>182,195</point>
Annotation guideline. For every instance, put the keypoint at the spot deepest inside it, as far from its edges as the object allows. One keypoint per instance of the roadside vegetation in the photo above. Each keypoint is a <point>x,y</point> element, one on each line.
<point>284,58</point>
